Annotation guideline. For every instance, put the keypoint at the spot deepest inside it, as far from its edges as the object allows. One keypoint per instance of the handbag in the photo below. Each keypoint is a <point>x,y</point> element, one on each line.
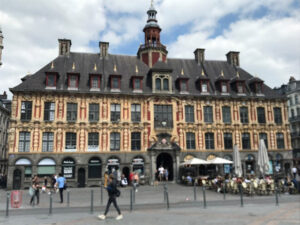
<point>31,191</point>
<point>118,193</point>
<point>65,186</point>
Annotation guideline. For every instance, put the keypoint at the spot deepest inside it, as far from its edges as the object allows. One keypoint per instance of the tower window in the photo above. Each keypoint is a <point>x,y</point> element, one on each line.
<point>166,84</point>
<point>158,84</point>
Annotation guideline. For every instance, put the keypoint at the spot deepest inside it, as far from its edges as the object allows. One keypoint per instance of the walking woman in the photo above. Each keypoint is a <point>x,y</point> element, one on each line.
<point>36,190</point>
<point>112,194</point>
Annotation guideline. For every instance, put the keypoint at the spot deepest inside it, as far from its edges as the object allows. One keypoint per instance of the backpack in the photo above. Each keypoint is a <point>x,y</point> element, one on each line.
<point>118,192</point>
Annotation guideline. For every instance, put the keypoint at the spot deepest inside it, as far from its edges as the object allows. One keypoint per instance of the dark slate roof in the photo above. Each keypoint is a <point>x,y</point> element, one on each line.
<point>84,64</point>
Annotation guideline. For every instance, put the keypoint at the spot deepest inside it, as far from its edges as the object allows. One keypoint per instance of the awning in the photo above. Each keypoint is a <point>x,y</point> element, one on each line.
<point>195,161</point>
<point>219,160</point>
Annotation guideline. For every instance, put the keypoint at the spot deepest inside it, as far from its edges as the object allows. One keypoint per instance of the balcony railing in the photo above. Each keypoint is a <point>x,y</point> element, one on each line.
<point>167,124</point>
<point>295,134</point>
<point>294,119</point>
<point>152,45</point>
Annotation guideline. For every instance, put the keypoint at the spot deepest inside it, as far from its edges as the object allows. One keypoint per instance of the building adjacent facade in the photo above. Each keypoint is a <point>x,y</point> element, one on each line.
<point>292,91</point>
<point>84,113</point>
<point>4,125</point>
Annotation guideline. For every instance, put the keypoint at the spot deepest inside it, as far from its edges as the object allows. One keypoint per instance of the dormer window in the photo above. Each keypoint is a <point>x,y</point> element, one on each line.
<point>73,80</point>
<point>95,82</point>
<point>184,85</point>
<point>240,87</point>
<point>137,84</point>
<point>204,86</point>
<point>115,83</point>
<point>51,80</point>
<point>162,83</point>
<point>224,87</point>
<point>258,88</point>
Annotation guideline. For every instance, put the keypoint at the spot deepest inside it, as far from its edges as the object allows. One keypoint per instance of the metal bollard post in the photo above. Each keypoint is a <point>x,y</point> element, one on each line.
<point>50,206</point>
<point>165,189</point>
<point>68,198</point>
<point>167,197</point>
<point>101,192</point>
<point>241,193</point>
<point>131,200</point>
<point>204,197</point>
<point>92,201</point>
<point>195,192</point>
<point>7,204</point>
<point>224,190</point>
<point>276,196</point>
<point>133,195</point>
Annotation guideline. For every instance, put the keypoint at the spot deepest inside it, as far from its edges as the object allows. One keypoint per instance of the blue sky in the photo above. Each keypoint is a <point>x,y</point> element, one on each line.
<point>266,32</point>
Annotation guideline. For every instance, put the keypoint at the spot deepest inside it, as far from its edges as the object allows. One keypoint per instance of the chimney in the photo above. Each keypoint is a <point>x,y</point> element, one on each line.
<point>233,58</point>
<point>103,48</point>
<point>199,55</point>
<point>64,46</point>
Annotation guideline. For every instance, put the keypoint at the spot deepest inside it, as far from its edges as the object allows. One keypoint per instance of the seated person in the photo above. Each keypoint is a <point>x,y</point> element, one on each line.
<point>124,182</point>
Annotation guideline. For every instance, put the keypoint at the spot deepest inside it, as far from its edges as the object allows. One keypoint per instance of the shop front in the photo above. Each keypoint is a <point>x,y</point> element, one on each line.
<point>113,164</point>
<point>68,168</point>
<point>46,167</point>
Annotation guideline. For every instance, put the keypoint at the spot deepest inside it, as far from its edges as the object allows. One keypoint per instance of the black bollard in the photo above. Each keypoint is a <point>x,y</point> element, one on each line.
<point>241,193</point>
<point>101,192</point>
<point>92,201</point>
<point>7,204</point>
<point>276,196</point>
<point>68,198</point>
<point>195,192</point>
<point>165,190</point>
<point>50,206</point>
<point>131,200</point>
<point>204,197</point>
<point>167,197</point>
<point>133,194</point>
<point>224,191</point>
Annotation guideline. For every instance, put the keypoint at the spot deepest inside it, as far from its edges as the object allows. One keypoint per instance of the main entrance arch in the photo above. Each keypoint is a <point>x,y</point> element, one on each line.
<point>165,160</point>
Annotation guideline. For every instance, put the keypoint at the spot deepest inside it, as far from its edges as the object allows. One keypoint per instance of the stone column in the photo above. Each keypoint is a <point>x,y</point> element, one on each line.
<point>152,168</point>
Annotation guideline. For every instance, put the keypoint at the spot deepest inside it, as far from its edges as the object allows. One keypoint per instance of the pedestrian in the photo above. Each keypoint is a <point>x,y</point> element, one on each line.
<point>131,175</point>
<point>160,173</point>
<point>53,183</point>
<point>124,182</point>
<point>61,182</point>
<point>36,191</point>
<point>166,172</point>
<point>294,171</point>
<point>113,193</point>
<point>105,179</point>
<point>136,180</point>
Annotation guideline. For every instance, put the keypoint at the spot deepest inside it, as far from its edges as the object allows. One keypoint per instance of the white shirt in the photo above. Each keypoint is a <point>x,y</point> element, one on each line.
<point>161,170</point>
<point>294,170</point>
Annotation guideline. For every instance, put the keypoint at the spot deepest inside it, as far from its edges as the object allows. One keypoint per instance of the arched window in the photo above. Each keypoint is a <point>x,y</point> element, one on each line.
<point>46,167</point>
<point>166,84</point>
<point>95,168</point>
<point>27,166</point>
<point>158,84</point>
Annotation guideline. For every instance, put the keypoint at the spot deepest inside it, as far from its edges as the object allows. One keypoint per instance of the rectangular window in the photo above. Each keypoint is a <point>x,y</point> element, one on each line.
<point>280,140</point>
<point>264,136</point>
<point>26,111</point>
<point>204,88</point>
<point>240,87</point>
<point>94,112</point>
<point>183,86</point>
<point>24,141</point>
<point>114,141</point>
<point>226,114</point>
<point>49,111</point>
<point>258,88</point>
<point>135,141</point>
<point>163,116</point>
<point>93,140</point>
<point>115,112</point>
<point>70,140</point>
<point>71,112</point>
<point>261,115</point>
<point>208,114</point>
<point>137,84</point>
<point>47,145</point>
<point>224,88</point>
<point>73,81</point>
<point>246,141</point>
<point>277,115</point>
<point>51,80</point>
<point>244,115</point>
<point>115,83</point>
<point>190,141</point>
<point>189,113</point>
<point>209,141</point>
<point>135,112</point>
<point>95,81</point>
<point>228,140</point>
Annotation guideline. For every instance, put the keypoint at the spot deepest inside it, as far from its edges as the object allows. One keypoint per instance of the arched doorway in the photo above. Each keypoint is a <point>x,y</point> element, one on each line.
<point>81,177</point>
<point>126,171</point>
<point>17,179</point>
<point>165,160</point>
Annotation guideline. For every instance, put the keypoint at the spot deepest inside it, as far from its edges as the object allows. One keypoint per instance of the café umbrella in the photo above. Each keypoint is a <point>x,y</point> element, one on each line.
<point>263,158</point>
<point>237,161</point>
<point>219,160</point>
<point>195,161</point>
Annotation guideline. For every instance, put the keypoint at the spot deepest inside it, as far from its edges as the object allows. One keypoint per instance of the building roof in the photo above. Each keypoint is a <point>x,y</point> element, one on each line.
<point>127,67</point>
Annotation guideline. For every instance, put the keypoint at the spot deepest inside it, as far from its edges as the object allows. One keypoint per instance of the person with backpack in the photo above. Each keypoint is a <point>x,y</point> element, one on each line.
<point>113,193</point>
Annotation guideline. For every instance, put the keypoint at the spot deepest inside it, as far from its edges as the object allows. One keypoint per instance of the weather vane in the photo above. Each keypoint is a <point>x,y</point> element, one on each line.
<point>152,3</point>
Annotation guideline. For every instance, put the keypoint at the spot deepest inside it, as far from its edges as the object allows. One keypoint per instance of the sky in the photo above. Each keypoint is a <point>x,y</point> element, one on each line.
<point>265,32</point>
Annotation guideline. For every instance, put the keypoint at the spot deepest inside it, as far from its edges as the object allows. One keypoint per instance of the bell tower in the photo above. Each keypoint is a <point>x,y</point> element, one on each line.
<point>152,50</point>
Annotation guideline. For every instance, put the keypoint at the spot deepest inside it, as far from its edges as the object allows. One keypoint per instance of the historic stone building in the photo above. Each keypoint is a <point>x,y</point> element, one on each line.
<point>83,113</point>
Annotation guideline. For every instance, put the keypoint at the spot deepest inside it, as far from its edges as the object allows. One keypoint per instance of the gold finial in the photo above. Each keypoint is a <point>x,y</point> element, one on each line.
<point>202,73</point>
<point>95,67</point>
<point>115,68</point>
<point>222,73</point>
<point>237,74</point>
<point>52,65</point>
<point>182,72</point>
<point>136,69</point>
<point>73,66</point>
